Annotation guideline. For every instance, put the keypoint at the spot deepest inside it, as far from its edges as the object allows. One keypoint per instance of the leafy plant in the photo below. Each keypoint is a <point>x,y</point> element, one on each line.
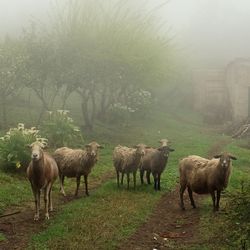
<point>60,129</point>
<point>14,153</point>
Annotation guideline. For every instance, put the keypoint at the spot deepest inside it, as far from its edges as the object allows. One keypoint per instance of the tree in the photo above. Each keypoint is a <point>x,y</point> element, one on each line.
<point>11,66</point>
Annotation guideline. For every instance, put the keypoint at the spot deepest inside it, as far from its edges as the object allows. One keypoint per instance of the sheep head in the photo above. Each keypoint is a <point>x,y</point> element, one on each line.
<point>164,142</point>
<point>225,159</point>
<point>36,150</point>
<point>141,149</point>
<point>92,148</point>
<point>165,150</point>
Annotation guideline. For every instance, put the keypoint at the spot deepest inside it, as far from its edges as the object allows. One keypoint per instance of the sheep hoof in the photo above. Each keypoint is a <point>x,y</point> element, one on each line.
<point>36,217</point>
<point>47,216</point>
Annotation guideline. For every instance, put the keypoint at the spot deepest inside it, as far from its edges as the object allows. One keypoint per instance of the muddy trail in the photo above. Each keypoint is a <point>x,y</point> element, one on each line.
<point>168,227</point>
<point>19,227</point>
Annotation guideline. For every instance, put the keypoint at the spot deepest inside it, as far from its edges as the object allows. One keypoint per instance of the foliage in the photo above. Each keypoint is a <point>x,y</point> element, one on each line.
<point>137,103</point>
<point>239,216</point>
<point>14,153</point>
<point>60,129</point>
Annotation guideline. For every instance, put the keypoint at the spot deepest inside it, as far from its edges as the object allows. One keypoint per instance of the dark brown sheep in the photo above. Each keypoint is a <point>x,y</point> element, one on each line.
<point>155,161</point>
<point>42,172</point>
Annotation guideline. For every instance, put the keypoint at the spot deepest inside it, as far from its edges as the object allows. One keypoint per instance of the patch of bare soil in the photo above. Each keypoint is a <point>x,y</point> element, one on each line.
<point>169,227</point>
<point>19,227</point>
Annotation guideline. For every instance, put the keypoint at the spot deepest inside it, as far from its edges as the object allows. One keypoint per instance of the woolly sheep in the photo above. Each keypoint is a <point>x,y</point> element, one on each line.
<point>127,160</point>
<point>204,176</point>
<point>145,166</point>
<point>75,163</point>
<point>42,172</point>
<point>155,162</point>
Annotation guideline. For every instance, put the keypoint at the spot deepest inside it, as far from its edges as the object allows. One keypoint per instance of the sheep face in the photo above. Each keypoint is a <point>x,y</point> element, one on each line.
<point>164,142</point>
<point>36,151</point>
<point>165,150</point>
<point>92,148</point>
<point>141,149</point>
<point>225,159</point>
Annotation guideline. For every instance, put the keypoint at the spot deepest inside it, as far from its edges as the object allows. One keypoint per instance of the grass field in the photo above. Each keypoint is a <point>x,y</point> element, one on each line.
<point>110,215</point>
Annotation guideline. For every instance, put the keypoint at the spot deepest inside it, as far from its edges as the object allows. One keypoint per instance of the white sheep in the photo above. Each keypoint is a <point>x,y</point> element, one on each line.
<point>204,176</point>
<point>75,163</point>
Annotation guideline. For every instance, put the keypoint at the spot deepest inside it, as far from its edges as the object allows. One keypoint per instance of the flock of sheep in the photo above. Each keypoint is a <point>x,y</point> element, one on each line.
<point>197,174</point>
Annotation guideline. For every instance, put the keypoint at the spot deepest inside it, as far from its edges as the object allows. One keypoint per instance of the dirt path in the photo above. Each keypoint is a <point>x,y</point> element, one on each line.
<point>18,228</point>
<point>169,227</point>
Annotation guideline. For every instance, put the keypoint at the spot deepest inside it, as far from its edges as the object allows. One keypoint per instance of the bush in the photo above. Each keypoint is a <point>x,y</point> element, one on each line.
<point>138,104</point>
<point>60,130</point>
<point>239,207</point>
<point>14,153</point>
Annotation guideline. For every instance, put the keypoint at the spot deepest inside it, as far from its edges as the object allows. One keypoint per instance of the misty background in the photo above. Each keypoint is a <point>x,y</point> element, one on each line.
<point>209,32</point>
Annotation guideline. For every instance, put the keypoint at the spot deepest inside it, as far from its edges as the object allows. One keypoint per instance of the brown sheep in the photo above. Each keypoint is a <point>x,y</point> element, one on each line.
<point>42,172</point>
<point>75,163</point>
<point>155,161</point>
<point>127,160</point>
<point>145,166</point>
<point>204,176</point>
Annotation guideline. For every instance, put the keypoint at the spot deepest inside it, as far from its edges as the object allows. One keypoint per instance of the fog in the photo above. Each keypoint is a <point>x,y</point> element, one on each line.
<point>212,32</point>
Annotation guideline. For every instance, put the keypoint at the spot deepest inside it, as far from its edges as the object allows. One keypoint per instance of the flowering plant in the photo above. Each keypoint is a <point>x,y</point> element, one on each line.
<point>14,152</point>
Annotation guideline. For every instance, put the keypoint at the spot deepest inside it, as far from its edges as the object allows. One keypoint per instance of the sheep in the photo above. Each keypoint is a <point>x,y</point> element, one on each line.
<point>127,160</point>
<point>75,163</point>
<point>155,162</point>
<point>41,172</point>
<point>145,165</point>
<point>204,176</point>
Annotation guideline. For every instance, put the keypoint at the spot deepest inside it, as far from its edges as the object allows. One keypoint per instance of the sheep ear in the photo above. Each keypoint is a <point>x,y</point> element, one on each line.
<point>232,157</point>
<point>171,149</point>
<point>44,146</point>
<point>136,146</point>
<point>28,145</point>
<point>147,147</point>
<point>87,146</point>
<point>100,146</point>
<point>217,156</point>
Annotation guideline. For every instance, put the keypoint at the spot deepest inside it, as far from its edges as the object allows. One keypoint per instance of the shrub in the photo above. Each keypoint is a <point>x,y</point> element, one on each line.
<point>14,153</point>
<point>239,216</point>
<point>60,130</point>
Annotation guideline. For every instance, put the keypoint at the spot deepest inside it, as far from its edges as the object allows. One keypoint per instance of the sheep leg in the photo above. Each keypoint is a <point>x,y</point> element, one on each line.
<point>78,179</point>
<point>128,180</point>
<point>141,176</point>
<point>159,182</point>
<point>134,178</point>
<point>182,189</point>
<point>155,181</point>
<point>50,200</point>
<point>61,177</point>
<point>148,177</point>
<point>86,185</point>
<point>218,200</point>
<point>118,177</point>
<point>37,202</point>
<point>122,178</point>
<point>213,198</point>
<point>46,199</point>
<point>190,193</point>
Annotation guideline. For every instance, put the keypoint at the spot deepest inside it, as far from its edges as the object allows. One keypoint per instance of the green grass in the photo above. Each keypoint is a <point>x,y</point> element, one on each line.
<point>110,215</point>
